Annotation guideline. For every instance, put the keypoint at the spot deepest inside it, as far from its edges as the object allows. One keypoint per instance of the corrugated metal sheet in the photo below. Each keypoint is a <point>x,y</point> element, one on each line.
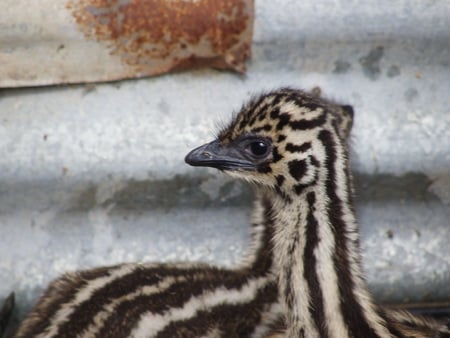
<point>94,175</point>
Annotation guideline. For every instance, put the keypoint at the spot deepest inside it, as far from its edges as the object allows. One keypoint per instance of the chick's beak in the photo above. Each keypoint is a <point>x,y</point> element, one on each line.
<point>216,155</point>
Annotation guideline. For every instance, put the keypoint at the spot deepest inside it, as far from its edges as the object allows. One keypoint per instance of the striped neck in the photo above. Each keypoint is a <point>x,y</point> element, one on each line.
<point>260,258</point>
<point>317,255</point>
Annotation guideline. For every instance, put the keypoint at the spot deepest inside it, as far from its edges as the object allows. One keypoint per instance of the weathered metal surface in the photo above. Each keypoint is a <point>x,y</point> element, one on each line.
<point>94,175</point>
<point>69,41</point>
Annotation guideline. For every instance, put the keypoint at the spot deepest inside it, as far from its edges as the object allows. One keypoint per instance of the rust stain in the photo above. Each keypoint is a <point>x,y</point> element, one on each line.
<point>168,34</point>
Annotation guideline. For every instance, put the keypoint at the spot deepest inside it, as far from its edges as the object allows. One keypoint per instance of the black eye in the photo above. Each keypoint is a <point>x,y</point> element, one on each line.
<point>258,148</point>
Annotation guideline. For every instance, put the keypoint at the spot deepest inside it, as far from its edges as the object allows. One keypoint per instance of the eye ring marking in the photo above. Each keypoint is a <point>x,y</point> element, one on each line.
<point>254,148</point>
<point>258,148</point>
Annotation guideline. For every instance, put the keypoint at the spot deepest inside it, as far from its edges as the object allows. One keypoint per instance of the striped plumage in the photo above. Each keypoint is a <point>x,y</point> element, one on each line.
<point>292,146</point>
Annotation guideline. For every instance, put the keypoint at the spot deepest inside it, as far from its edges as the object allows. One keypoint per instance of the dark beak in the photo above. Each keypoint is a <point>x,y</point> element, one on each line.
<point>216,155</point>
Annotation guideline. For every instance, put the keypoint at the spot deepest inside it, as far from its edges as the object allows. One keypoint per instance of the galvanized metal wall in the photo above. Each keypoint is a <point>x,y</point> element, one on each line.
<point>94,175</point>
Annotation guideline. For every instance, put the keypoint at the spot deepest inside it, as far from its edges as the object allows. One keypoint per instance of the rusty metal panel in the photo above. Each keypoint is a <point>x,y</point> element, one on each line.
<point>70,41</point>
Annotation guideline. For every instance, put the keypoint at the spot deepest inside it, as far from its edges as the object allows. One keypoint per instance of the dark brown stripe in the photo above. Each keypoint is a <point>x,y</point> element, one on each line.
<point>264,254</point>
<point>289,294</point>
<point>297,168</point>
<point>293,148</point>
<point>316,305</point>
<point>261,109</point>
<point>299,188</point>
<point>266,127</point>
<point>173,297</point>
<point>243,122</point>
<point>250,109</point>
<point>278,98</point>
<point>275,113</point>
<point>314,161</point>
<point>283,120</point>
<point>312,105</point>
<point>264,168</point>
<point>305,101</point>
<point>349,110</point>
<point>308,124</point>
<point>288,290</point>
<point>280,180</point>
<point>389,325</point>
<point>233,320</point>
<point>278,326</point>
<point>84,313</point>
<point>290,286</point>
<point>351,309</point>
<point>281,138</point>
<point>276,155</point>
<point>283,194</point>
<point>251,120</point>
<point>59,292</point>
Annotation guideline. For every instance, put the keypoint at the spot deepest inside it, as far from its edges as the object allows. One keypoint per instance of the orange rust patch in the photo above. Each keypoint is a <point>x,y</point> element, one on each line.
<point>166,34</point>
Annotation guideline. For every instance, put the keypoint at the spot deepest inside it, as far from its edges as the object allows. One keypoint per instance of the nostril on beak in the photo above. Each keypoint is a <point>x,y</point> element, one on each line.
<point>206,154</point>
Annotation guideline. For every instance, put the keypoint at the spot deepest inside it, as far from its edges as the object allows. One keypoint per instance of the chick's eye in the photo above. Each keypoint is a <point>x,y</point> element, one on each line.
<point>258,148</point>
